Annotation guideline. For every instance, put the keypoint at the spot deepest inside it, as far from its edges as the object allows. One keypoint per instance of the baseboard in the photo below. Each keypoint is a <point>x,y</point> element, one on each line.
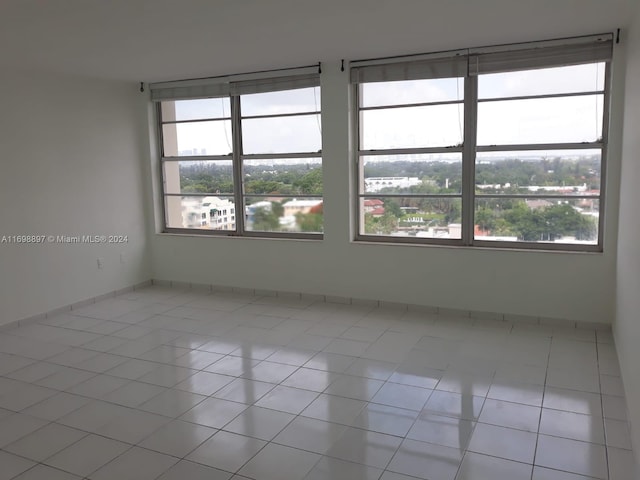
<point>73,306</point>
<point>474,315</point>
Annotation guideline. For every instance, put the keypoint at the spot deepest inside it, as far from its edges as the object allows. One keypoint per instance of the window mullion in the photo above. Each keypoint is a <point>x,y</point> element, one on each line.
<point>468,157</point>
<point>359,167</point>
<point>238,184</point>
<point>160,136</point>
<point>604,152</point>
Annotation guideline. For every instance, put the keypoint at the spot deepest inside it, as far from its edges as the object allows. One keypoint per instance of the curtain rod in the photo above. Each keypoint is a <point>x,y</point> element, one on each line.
<point>458,51</point>
<point>219,77</point>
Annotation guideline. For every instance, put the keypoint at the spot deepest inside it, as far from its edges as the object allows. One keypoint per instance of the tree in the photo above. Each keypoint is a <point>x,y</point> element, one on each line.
<point>263,186</point>
<point>277,209</point>
<point>565,220</point>
<point>485,219</point>
<point>312,221</point>
<point>391,207</point>
<point>383,225</point>
<point>310,183</point>
<point>265,220</point>
<point>549,223</point>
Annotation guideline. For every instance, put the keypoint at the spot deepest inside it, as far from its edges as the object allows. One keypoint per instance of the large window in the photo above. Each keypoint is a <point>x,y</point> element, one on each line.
<point>487,147</point>
<point>242,157</point>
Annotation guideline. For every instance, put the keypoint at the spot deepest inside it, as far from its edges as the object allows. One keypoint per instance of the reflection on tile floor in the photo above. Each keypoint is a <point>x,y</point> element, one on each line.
<point>168,383</point>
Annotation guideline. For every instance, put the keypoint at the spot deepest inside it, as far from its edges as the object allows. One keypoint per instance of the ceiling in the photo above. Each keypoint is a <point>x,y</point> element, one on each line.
<point>155,40</point>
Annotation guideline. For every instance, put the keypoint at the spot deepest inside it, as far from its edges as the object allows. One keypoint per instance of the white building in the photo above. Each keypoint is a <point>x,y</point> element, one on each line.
<point>209,213</point>
<point>375,184</point>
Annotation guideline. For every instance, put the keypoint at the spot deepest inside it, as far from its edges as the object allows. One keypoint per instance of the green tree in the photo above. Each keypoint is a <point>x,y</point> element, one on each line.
<point>383,225</point>
<point>277,209</point>
<point>265,220</point>
<point>485,219</point>
<point>310,183</point>
<point>391,207</point>
<point>312,221</point>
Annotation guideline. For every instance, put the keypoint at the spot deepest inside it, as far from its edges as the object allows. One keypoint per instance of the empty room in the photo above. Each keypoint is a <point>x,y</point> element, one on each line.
<point>286,240</point>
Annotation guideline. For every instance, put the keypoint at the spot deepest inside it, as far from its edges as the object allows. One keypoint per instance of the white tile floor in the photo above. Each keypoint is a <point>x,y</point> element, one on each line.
<point>171,384</point>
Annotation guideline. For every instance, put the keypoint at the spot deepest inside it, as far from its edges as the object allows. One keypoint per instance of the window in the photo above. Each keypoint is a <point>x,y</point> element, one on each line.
<point>247,145</point>
<point>485,147</point>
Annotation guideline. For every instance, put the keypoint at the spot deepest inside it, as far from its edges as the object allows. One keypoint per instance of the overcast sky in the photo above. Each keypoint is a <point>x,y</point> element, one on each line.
<point>568,119</point>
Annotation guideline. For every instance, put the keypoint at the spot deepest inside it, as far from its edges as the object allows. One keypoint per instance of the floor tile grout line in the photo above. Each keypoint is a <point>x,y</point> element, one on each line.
<point>544,391</point>
<point>604,429</point>
<point>384,381</point>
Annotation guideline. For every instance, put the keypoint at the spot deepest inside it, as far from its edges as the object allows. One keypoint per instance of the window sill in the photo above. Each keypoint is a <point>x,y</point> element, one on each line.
<point>314,238</point>
<point>499,247</point>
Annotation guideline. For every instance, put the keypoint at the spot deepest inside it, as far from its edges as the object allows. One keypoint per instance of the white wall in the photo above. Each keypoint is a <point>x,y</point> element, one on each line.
<point>627,322</point>
<point>560,285</point>
<point>70,165</point>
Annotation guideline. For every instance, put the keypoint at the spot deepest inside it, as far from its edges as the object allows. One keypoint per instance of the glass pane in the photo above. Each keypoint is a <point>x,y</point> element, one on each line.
<point>198,138</point>
<point>198,177</point>
<point>437,126</point>
<point>204,213</point>
<point>424,174</point>
<point>540,120</point>
<point>558,172</point>
<point>202,108</point>
<point>286,101</point>
<point>412,91</point>
<point>282,134</point>
<point>544,81</point>
<point>274,214</point>
<point>291,176</point>
<point>541,220</point>
<point>411,217</point>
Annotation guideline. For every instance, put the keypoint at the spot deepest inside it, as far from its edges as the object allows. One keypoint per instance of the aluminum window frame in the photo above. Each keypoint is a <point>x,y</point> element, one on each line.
<point>361,195</point>
<point>469,149</point>
<point>237,158</point>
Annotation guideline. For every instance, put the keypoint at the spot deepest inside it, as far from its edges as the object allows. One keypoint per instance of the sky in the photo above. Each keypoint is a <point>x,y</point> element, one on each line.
<point>549,120</point>
<point>260,135</point>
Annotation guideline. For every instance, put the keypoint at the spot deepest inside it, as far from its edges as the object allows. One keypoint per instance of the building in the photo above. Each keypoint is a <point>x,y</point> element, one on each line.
<point>295,206</point>
<point>535,204</point>
<point>208,213</point>
<point>251,210</point>
<point>79,157</point>
<point>221,213</point>
<point>375,184</point>
<point>374,207</point>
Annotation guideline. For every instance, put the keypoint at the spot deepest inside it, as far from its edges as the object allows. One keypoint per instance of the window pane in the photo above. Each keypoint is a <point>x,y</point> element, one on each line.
<point>204,213</point>
<point>423,174</point>
<point>291,176</point>
<point>558,172</point>
<point>544,81</point>
<point>282,134</point>
<point>542,120</point>
<point>411,217</point>
<point>541,220</point>
<point>198,138</point>
<point>436,126</point>
<point>274,214</point>
<point>287,101</point>
<point>412,91</point>
<point>213,177</point>
<point>198,109</point>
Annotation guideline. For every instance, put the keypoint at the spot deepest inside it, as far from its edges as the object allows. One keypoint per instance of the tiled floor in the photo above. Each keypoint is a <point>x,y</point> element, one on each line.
<point>175,384</point>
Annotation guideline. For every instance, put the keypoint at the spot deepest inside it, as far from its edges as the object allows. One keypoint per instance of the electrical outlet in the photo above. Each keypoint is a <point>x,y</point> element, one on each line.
<point>100,262</point>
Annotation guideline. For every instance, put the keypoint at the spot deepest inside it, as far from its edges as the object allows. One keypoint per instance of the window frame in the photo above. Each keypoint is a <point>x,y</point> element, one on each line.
<point>469,149</point>
<point>236,156</point>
